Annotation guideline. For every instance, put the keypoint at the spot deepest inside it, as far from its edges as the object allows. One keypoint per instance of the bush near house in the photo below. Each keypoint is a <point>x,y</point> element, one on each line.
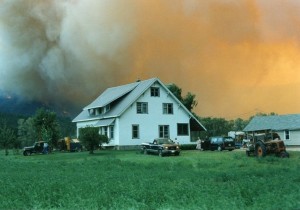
<point>129,180</point>
<point>188,146</point>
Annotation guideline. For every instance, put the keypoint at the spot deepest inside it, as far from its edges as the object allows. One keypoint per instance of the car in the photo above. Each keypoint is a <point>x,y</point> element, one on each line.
<point>40,147</point>
<point>161,146</point>
<point>219,143</point>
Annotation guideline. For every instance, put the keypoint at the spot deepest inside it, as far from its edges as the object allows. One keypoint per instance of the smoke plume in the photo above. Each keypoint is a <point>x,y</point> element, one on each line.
<point>238,57</point>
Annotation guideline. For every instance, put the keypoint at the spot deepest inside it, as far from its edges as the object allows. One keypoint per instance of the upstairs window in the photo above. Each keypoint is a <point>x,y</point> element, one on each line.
<point>167,108</point>
<point>142,107</point>
<point>154,92</point>
<point>91,112</point>
<point>107,108</point>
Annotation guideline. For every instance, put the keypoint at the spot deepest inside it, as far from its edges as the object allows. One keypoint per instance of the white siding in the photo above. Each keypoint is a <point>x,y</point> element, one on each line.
<point>149,123</point>
<point>293,140</point>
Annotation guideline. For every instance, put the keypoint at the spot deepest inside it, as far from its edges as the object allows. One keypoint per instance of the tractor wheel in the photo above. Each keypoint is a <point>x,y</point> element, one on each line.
<point>260,150</point>
<point>284,154</point>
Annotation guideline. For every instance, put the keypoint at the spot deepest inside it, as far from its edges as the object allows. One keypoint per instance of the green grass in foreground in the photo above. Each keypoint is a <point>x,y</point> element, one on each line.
<point>129,180</point>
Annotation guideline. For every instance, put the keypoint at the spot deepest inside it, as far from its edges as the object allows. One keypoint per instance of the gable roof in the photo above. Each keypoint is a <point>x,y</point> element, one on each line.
<point>130,93</point>
<point>275,122</point>
<point>110,95</point>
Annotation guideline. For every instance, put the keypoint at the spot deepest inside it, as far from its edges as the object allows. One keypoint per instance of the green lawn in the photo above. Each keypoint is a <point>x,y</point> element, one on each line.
<point>129,180</point>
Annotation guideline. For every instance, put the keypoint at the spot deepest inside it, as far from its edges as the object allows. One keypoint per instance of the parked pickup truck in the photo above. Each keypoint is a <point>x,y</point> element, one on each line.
<point>161,146</point>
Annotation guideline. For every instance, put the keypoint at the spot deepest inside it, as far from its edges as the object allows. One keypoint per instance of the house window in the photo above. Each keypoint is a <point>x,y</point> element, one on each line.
<point>182,129</point>
<point>163,131</point>
<point>105,131</point>
<point>154,91</point>
<point>167,108</point>
<point>111,130</point>
<point>287,134</point>
<point>135,132</point>
<point>142,107</point>
<point>91,112</point>
<point>107,108</point>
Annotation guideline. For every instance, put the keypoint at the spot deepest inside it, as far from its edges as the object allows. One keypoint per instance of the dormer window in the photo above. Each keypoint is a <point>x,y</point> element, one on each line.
<point>91,112</point>
<point>99,110</point>
<point>154,91</point>
<point>107,108</point>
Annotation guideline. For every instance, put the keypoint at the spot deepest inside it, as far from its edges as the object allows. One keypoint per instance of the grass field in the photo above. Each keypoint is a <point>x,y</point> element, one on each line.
<point>129,180</point>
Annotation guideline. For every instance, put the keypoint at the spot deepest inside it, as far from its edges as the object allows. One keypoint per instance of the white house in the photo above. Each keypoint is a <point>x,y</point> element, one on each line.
<point>287,126</point>
<point>138,112</point>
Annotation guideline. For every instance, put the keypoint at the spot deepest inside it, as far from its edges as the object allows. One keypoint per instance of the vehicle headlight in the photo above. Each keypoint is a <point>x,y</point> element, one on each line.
<point>166,148</point>
<point>177,147</point>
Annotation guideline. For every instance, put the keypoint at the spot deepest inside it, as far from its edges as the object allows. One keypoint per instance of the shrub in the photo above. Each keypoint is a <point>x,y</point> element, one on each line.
<point>188,147</point>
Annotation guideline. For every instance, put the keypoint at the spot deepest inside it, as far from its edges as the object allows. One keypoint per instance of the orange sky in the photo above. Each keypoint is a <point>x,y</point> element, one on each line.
<point>237,57</point>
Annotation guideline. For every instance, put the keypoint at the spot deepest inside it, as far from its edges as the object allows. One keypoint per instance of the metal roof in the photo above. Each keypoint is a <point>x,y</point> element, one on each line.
<point>131,92</point>
<point>110,95</point>
<point>105,122</point>
<point>274,122</point>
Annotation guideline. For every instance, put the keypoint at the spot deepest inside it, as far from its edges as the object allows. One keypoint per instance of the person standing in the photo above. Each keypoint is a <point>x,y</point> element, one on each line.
<point>45,148</point>
<point>198,147</point>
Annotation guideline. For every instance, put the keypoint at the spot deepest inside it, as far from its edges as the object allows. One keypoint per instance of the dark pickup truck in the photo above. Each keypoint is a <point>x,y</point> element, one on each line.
<point>161,146</point>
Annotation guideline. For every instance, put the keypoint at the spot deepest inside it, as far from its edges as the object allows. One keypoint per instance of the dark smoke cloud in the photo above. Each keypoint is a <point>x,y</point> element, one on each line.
<point>236,56</point>
<point>62,51</point>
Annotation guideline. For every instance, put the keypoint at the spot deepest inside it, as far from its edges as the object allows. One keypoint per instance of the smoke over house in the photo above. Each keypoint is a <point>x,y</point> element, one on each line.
<point>241,54</point>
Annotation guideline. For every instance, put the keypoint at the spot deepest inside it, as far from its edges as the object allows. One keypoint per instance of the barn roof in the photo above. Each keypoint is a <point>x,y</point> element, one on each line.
<point>274,122</point>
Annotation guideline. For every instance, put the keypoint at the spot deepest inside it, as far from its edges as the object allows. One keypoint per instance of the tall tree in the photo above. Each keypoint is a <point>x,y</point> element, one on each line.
<point>215,126</point>
<point>26,131</point>
<point>188,100</point>
<point>176,91</point>
<point>239,124</point>
<point>91,139</point>
<point>7,138</point>
<point>46,126</point>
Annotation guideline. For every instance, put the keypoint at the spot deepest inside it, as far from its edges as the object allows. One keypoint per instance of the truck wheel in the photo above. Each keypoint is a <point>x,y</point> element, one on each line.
<point>260,150</point>
<point>145,152</point>
<point>160,153</point>
<point>284,154</point>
